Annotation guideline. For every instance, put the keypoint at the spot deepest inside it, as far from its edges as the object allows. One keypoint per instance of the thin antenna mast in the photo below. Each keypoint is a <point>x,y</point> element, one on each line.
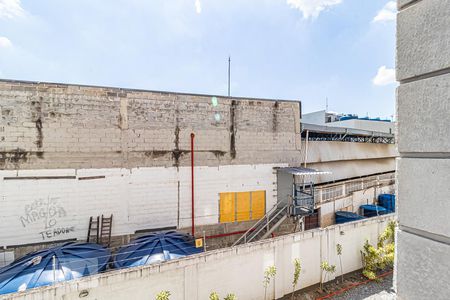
<point>326,104</point>
<point>229,71</point>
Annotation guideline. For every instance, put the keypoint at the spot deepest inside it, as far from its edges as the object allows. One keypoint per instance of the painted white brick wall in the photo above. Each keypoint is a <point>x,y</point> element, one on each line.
<point>141,198</point>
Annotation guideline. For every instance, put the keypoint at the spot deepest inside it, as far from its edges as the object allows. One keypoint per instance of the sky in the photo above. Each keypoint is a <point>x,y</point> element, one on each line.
<point>307,50</point>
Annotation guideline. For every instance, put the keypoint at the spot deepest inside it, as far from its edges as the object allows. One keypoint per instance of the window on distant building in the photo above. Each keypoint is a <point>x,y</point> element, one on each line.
<point>242,206</point>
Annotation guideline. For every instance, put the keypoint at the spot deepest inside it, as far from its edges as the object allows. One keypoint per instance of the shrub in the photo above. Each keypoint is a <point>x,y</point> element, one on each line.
<point>381,256</point>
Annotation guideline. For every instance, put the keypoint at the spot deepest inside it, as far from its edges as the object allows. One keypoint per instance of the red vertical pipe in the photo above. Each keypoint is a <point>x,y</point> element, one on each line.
<point>192,182</point>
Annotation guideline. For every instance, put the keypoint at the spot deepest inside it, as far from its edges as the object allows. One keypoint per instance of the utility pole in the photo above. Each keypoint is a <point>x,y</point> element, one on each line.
<point>229,71</point>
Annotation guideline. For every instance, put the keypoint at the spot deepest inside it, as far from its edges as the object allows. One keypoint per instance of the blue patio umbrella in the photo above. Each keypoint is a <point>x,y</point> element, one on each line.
<point>44,267</point>
<point>154,248</point>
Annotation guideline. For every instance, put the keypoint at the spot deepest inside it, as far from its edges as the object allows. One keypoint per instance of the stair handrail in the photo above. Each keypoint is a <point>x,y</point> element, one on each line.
<point>244,236</point>
<point>268,222</point>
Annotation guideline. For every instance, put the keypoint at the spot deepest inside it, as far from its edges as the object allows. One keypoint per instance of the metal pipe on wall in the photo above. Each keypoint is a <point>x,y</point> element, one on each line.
<point>192,184</point>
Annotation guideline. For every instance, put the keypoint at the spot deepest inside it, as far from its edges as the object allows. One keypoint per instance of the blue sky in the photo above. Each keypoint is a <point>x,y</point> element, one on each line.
<point>304,50</point>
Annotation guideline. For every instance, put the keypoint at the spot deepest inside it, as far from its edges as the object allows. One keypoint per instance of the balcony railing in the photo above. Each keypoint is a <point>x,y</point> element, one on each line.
<point>340,190</point>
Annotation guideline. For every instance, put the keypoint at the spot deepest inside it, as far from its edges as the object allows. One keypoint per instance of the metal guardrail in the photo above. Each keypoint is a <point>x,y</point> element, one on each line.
<point>263,223</point>
<point>268,223</point>
<point>336,191</point>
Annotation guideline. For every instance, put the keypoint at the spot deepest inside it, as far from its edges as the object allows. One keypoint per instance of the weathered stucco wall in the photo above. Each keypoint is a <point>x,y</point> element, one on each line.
<point>423,110</point>
<point>46,125</point>
<point>238,270</point>
<point>86,151</point>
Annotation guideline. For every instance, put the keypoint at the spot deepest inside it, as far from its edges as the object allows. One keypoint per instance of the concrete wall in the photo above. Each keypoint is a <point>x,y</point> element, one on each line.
<point>379,126</point>
<point>349,160</point>
<point>238,270</point>
<point>85,151</point>
<point>45,210</point>
<point>317,117</point>
<point>58,126</point>
<point>423,110</point>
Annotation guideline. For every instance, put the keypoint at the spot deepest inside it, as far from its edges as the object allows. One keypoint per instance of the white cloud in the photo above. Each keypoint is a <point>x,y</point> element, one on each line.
<point>384,76</point>
<point>387,13</point>
<point>5,42</point>
<point>10,9</point>
<point>312,8</point>
<point>198,6</point>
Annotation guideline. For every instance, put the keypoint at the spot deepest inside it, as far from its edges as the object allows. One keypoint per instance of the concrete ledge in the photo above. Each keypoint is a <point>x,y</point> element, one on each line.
<point>423,108</point>
<point>422,268</point>
<point>402,3</point>
<point>423,32</point>
<point>423,191</point>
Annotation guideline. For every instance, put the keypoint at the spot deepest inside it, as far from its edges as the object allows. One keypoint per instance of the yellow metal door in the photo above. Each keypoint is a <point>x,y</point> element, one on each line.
<point>243,206</point>
<point>227,207</point>
<point>258,204</point>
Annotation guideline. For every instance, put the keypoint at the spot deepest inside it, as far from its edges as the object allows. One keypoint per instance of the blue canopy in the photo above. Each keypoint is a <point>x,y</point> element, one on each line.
<point>154,248</point>
<point>72,260</point>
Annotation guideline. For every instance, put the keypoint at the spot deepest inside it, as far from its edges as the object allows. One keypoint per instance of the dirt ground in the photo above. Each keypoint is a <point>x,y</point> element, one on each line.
<point>356,287</point>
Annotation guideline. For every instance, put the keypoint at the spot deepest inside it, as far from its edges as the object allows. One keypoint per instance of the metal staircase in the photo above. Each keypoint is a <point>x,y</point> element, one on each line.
<point>266,225</point>
<point>298,205</point>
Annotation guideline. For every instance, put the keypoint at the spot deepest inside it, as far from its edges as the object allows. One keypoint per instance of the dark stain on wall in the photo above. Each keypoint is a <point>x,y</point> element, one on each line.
<point>39,135</point>
<point>218,153</point>
<point>15,157</point>
<point>119,120</point>
<point>156,153</point>
<point>120,94</point>
<point>38,122</point>
<point>176,153</point>
<point>276,105</point>
<point>233,129</point>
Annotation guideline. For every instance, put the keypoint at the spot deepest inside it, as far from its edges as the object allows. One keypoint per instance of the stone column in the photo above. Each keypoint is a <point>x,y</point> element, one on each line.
<point>422,268</point>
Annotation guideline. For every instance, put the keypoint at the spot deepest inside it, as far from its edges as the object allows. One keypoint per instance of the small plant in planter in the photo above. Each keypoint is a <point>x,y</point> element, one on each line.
<point>163,295</point>
<point>230,297</point>
<point>326,269</point>
<point>297,270</point>
<point>339,253</point>
<point>269,273</point>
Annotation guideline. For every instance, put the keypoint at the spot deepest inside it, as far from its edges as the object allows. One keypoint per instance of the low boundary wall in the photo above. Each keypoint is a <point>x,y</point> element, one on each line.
<point>238,270</point>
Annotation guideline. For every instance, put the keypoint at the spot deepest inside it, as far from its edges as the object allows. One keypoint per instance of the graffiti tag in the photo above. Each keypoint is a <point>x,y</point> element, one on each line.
<point>55,232</point>
<point>48,212</point>
<point>45,210</point>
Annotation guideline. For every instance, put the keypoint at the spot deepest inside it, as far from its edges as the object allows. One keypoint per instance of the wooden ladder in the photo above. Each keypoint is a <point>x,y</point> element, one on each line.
<point>94,230</point>
<point>105,232</point>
